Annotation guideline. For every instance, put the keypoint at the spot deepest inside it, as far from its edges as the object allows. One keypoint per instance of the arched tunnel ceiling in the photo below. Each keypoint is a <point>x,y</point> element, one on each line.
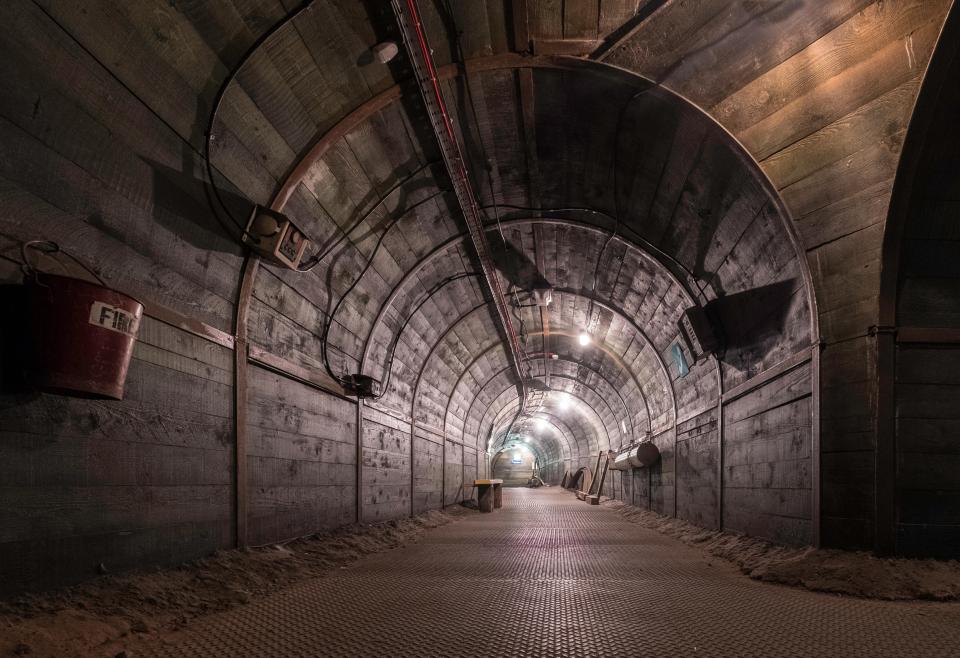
<point>626,200</point>
<point>629,203</point>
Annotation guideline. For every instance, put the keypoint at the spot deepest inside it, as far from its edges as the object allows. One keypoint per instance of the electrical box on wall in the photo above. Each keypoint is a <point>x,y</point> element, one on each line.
<point>696,326</point>
<point>542,296</point>
<point>274,237</point>
<point>363,386</point>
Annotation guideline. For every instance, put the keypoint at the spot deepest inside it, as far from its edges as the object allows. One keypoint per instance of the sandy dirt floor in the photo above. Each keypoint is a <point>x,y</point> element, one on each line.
<point>822,570</point>
<point>97,618</point>
<point>101,617</point>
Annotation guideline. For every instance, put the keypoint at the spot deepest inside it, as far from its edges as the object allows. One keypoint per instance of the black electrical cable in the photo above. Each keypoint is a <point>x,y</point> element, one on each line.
<point>50,247</point>
<point>317,258</point>
<point>473,110</point>
<point>616,189</point>
<point>636,236</point>
<point>215,109</point>
<point>392,349</point>
<point>522,365</point>
<point>324,339</point>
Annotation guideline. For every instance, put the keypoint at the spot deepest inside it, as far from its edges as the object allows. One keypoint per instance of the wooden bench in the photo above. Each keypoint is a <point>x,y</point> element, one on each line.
<point>489,494</point>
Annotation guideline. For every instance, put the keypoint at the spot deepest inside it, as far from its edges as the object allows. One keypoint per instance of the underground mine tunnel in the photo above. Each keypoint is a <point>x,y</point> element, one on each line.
<point>462,327</point>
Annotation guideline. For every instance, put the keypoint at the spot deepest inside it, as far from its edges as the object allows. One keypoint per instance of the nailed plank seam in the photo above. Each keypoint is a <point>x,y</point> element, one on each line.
<point>182,322</point>
<point>281,366</point>
<point>788,364</point>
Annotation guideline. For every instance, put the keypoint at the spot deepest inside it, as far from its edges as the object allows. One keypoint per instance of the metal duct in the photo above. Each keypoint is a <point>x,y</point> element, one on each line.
<point>640,455</point>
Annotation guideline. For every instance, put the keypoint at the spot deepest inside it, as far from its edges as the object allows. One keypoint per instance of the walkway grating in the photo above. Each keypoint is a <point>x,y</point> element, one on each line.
<point>548,576</point>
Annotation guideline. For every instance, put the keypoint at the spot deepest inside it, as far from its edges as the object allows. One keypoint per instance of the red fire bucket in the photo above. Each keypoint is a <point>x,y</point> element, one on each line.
<point>84,335</point>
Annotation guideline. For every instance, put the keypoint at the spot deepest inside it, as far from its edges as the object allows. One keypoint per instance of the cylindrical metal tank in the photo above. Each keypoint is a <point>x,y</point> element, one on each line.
<point>83,335</point>
<point>636,456</point>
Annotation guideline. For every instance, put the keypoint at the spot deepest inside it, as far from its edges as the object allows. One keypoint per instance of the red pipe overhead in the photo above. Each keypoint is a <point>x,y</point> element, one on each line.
<point>422,60</point>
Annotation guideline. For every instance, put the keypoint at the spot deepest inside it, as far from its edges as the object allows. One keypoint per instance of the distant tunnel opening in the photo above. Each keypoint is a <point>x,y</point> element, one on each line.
<point>515,466</point>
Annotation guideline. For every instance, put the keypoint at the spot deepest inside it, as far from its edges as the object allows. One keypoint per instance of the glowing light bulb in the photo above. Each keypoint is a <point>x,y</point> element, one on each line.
<point>584,338</point>
<point>563,403</point>
<point>541,424</point>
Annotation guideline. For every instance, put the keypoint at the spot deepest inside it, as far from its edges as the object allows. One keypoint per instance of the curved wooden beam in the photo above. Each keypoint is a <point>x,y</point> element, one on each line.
<point>490,381</point>
<point>601,424</point>
<point>606,304</point>
<point>599,395</point>
<point>610,353</point>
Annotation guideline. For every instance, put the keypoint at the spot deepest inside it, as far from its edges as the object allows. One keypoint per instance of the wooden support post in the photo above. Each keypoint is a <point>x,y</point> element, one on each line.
<point>240,443</point>
<point>676,482</point>
<point>521,30</point>
<point>359,478</point>
<point>649,471</point>
<point>719,444</point>
<point>250,268</point>
<point>596,477</point>
<point>815,480</point>
<point>595,498</point>
<point>413,455</point>
<point>886,453</point>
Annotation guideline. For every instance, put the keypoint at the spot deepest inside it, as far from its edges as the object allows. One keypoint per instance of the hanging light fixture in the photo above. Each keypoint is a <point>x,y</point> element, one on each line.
<point>584,338</point>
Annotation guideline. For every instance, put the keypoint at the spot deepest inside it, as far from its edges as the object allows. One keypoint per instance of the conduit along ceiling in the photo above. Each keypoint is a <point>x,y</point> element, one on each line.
<point>610,207</point>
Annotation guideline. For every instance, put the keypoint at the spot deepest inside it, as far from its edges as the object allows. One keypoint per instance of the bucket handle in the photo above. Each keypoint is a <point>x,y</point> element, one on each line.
<point>50,247</point>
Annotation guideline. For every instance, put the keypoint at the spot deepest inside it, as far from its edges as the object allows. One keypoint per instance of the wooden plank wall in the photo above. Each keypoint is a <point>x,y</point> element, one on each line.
<point>428,476</point>
<point>663,475</point>
<point>101,135</point>
<point>820,94</point>
<point>453,483</point>
<point>928,450</point>
<point>385,489</point>
<point>301,459</point>
<point>767,482</point>
<point>148,480</point>
<point>471,468</point>
<point>927,388</point>
<point>698,454</point>
<point>637,489</point>
<point>764,488</point>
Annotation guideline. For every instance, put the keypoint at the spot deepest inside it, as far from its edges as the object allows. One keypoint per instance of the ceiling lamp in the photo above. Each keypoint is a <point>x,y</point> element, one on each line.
<point>584,338</point>
<point>385,51</point>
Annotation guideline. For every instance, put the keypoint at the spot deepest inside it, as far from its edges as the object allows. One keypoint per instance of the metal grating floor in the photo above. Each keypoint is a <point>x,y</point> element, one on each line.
<point>549,576</point>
